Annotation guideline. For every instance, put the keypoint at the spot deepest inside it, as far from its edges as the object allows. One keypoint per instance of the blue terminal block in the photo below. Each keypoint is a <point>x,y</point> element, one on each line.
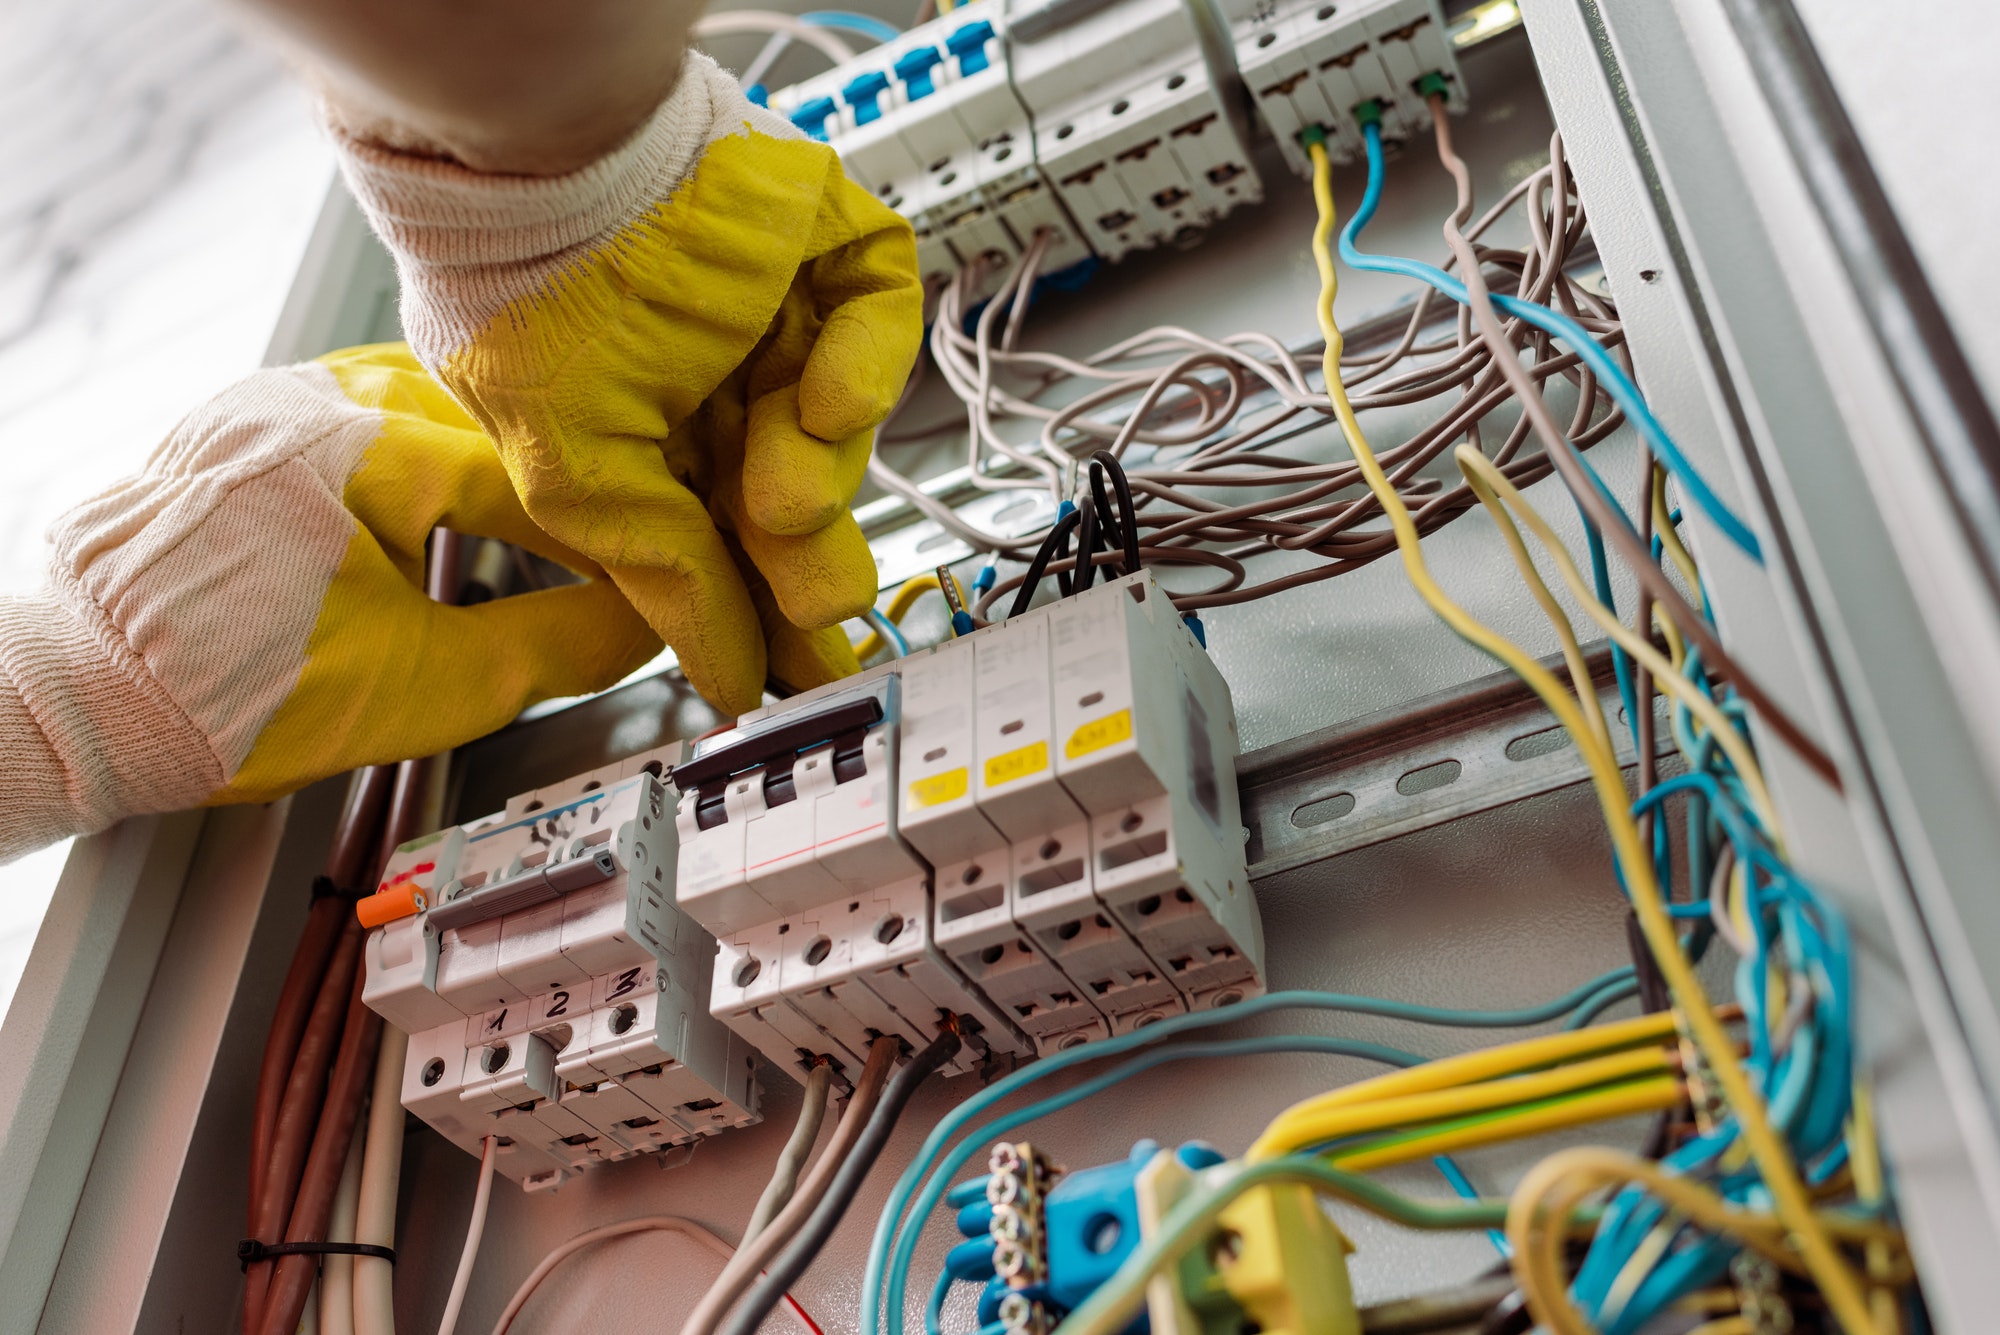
<point>813,116</point>
<point>863,93</point>
<point>969,45</point>
<point>914,69</point>
<point>1090,1221</point>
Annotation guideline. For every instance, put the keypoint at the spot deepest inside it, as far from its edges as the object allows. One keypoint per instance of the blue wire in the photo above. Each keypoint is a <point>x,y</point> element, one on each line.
<point>1227,1047</point>
<point>899,644</point>
<point>865,24</point>
<point>1595,1006</point>
<point>1623,392</point>
<point>934,1309</point>
<point>1462,1184</point>
<point>878,1272</point>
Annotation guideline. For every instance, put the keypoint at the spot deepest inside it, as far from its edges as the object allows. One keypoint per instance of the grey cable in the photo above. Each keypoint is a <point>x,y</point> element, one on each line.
<point>785,1175</point>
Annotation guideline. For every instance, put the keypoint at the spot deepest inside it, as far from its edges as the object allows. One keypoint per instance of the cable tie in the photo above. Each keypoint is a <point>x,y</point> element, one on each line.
<point>250,1251</point>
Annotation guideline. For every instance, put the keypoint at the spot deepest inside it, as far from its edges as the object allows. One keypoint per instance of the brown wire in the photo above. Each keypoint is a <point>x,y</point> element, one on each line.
<point>310,1133</point>
<point>353,1072</point>
<point>1613,525</point>
<point>359,819</point>
<point>298,1113</point>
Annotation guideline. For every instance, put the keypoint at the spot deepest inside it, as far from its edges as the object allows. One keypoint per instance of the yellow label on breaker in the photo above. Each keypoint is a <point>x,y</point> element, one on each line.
<point>1099,733</point>
<point>1019,764</point>
<point>939,788</point>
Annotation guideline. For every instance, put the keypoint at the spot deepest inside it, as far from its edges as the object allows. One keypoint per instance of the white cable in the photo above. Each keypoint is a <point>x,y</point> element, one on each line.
<point>769,20</point>
<point>481,1198</point>
<point>381,1175</point>
<point>648,1223</point>
<point>767,56</point>
<point>336,1272</point>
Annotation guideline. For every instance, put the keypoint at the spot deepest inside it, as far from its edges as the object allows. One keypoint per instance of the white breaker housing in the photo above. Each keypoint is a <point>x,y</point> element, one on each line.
<point>1103,122</point>
<point>553,992</point>
<point>1035,826</point>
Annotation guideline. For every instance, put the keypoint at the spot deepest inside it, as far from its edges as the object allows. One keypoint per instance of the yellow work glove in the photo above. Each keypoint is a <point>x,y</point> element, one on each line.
<point>248,614</point>
<point>682,352</point>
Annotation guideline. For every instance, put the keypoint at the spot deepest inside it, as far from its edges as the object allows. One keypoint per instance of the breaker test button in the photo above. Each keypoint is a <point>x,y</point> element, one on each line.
<point>813,116</point>
<point>969,45</point>
<point>914,69</point>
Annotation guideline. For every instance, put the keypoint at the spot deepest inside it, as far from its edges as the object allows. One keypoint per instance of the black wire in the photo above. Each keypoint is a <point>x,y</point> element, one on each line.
<point>805,1245</point>
<point>1086,546</point>
<point>1040,564</point>
<point>1066,580</point>
<point>1128,521</point>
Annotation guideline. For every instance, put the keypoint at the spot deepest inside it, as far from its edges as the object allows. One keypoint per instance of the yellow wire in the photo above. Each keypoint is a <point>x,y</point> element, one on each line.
<point>1670,538</point>
<point>1486,479</point>
<point>1676,647</point>
<point>1538,1220</point>
<point>1490,1063</point>
<point>1579,675</point>
<point>1864,1154</point>
<point>1837,1281</point>
<point>899,607</point>
<point>1298,1128</point>
<point>1627,1100</point>
<point>1726,1325</point>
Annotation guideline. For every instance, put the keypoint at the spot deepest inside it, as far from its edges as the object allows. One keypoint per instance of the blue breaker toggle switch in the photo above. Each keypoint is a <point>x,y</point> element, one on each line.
<point>861,94</point>
<point>813,116</point>
<point>914,69</point>
<point>969,45</point>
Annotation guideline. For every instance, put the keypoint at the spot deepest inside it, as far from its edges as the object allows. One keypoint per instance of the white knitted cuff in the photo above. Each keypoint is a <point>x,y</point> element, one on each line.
<point>88,734</point>
<point>467,243</point>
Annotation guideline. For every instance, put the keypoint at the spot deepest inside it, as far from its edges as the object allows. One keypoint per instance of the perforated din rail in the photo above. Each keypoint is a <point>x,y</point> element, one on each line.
<point>1470,749</point>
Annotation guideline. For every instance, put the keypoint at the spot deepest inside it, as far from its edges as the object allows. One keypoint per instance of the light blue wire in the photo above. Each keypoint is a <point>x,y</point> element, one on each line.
<point>934,1309</point>
<point>1606,998</point>
<point>1462,1184</point>
<point>1623,392</point>
<point>865,24</point>
<point>1808,1090</point>
<point>899,644</point>
<point>1224,1047</point>
<point>873,1278</point>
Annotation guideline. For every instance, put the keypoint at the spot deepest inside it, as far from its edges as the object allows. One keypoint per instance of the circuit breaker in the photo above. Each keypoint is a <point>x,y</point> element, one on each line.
<point>1105,127</point>
<point>1034,826</point>
<point>554,993</point>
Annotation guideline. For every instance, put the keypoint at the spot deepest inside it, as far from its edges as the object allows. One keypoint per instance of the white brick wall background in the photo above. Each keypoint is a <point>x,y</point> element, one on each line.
<point>158,179</point>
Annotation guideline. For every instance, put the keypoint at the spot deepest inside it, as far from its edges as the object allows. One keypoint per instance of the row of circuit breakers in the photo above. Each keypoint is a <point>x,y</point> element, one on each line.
<point>1033,829</point>
<point>1111,124</point>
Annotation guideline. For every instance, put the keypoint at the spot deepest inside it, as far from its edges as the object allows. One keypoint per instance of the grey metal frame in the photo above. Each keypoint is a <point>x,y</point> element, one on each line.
<point>1767,358</point>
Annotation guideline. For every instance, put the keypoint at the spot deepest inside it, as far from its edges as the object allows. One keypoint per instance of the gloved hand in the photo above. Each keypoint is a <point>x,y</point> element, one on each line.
<point>682,352</point>
<point>248,614</point>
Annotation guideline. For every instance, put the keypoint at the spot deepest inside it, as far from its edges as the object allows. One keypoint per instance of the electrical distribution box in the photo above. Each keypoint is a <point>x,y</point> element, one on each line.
<point>1035,826</point>
<point>554,993</point>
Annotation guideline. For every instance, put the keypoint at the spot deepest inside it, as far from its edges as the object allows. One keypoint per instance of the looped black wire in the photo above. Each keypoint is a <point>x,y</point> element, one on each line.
<point>1039,566</point>
<point>250,1251</point>
<point>1086,548</point>
<point>1127,527</point>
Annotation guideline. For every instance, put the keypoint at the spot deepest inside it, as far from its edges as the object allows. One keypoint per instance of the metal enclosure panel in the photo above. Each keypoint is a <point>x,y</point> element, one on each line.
<point>1799,401</point>
<point>67,1034</point>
